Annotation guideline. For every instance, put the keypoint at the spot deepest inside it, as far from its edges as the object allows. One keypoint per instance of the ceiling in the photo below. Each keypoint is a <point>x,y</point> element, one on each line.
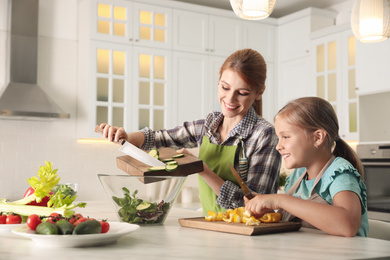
<point>282,7</point>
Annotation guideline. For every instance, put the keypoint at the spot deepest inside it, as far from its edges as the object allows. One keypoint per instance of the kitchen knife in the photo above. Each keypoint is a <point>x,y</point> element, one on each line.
<point>135,152</point>
<point>242,184</point>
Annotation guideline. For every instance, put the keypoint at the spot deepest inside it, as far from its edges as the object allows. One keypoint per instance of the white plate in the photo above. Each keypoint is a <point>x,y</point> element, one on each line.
<point>11,226</point>
<point>117,230</point>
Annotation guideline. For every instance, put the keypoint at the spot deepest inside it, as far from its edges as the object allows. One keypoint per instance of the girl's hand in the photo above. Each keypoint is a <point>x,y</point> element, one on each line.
<point>113,133</point>
<point>261,204</point>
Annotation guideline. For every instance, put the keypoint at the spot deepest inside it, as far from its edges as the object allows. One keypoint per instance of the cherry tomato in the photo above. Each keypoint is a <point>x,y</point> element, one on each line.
<point>74,218</point>
<point>80,220</point>
<point>54,217</point>
<point>13,219</point>
<point>105,226</point>
<point>33,221</point>
<point>3,218</point>
<point>43,202</point>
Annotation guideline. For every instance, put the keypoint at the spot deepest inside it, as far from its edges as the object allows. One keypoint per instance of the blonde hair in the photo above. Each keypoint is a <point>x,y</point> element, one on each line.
<point>251,67</point>
<point>313,113</point>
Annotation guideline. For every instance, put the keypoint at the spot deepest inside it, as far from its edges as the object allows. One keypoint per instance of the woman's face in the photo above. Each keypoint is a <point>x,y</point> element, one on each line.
<point>234,95</point>
<point>296,147</point>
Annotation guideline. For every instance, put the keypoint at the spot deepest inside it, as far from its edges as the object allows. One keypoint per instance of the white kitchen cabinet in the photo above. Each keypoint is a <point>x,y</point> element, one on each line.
<point>261,37</point>
<point>203,33</point>
<point>130,22</point>
<point>130,86</point>
<point>294,52</point>
<point>373,67</point>
<point>195,85</point>
<point>334,75</point>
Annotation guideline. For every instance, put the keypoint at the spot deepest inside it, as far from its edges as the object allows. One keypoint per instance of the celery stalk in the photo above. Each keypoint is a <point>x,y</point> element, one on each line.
<point>27,210</point>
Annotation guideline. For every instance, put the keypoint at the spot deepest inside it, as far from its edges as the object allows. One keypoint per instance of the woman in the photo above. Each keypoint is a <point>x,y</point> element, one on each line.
<point>236,135</point>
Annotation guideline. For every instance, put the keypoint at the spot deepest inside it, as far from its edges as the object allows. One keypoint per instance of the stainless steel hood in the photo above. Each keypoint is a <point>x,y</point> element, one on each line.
<point>22,97</point>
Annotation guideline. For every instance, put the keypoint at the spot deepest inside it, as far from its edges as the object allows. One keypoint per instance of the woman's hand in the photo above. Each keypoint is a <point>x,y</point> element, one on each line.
<point>261,204</point>
<point>113,133</point>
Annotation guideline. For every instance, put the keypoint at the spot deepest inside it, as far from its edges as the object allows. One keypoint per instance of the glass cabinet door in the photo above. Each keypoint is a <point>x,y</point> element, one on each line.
<point>335,74</point>
<point>151,87</point>
<point>110,80</point>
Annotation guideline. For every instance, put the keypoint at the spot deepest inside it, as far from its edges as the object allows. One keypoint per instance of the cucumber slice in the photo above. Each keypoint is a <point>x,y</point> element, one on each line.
<point>171,167</point>
<point>167,160</point>
<point>178,155</point>
<point>144,205</point>
<point>153,152</point>
<point>156,168</point>
<point>172,163</point>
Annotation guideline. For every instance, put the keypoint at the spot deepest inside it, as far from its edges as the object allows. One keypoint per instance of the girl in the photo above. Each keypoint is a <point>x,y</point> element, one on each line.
<point>325,190</point>
<point>236,135</point>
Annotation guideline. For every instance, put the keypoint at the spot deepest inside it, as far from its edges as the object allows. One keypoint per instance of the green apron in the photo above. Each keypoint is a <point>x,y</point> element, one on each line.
<point>217,158</point>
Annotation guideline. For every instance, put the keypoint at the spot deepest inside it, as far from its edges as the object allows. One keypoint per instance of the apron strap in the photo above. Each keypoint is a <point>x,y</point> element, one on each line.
<point>242,160</point>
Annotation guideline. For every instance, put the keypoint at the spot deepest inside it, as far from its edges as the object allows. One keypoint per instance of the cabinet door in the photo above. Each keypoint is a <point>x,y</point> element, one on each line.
<point>373,66</point>
<point>260,37</point>
<point>126,22</point>
<point>190,89</point>
<point>112,20</point>
<point>225,35</point>
<point>294,39</point>
<point>151,101</point>
<point>190,31</point>
<point>334,72</point>
<point>110,80</point>
<point>152,26</point>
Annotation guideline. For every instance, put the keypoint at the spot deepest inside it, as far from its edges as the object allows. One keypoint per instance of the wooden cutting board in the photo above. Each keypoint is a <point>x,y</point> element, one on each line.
<point>186,165</point>
<point>240,228</point>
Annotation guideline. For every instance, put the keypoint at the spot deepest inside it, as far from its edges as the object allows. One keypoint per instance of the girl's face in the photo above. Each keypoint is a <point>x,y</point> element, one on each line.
<point>234,95</point>
<point>296,147</point>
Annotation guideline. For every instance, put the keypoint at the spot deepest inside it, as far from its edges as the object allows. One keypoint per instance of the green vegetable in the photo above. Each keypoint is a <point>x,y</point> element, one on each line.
<point>156,168</point>
<point>88,227</point>
<point>64,227</point>
<point>47,228</point>
<point>178,155</point>
<point>64,196</point>
<point>60,202</point>
<point>171,167</point>
<point>172,163</point>
<point>27,210</point>
<point>167,160</point>
<point>134,210</point>
<point>144,205</point>
<point>153,152</point>
<point>47,179</point>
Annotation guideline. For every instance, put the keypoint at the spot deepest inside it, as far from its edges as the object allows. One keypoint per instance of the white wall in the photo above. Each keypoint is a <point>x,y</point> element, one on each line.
<point>25,145</point>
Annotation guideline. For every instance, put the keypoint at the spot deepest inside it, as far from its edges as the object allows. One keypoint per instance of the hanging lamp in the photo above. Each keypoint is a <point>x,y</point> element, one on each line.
<point>253,9</point>
<point>370,20</point>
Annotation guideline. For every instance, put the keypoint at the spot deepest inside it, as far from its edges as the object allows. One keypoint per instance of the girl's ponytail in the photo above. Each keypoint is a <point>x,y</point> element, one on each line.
<point>343,150</point>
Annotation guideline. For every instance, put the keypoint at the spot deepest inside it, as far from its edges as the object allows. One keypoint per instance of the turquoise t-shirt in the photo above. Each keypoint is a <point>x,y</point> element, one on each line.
<point>340,176</point>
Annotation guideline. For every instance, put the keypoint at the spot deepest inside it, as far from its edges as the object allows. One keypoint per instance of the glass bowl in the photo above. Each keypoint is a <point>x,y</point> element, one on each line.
<point>142,199</point>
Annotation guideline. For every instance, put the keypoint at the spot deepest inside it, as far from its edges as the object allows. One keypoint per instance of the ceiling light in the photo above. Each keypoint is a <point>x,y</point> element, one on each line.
<point>253,9</point>
<point>370,20</point>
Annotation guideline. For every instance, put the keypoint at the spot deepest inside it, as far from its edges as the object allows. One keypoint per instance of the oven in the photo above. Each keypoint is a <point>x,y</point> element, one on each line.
<point>376,162</point>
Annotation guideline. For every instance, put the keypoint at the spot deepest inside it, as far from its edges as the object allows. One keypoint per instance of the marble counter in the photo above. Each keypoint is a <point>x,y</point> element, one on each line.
<point>171,241</point>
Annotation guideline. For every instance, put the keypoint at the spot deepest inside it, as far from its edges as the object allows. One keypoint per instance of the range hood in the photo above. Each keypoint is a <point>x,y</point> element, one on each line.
<point>22,98</point>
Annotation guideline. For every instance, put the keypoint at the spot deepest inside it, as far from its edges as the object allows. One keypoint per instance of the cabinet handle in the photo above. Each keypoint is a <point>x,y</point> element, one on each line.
<point>131,39</point>
<point>136,40</point>
<point>207,49</point>
<point>212,50</point>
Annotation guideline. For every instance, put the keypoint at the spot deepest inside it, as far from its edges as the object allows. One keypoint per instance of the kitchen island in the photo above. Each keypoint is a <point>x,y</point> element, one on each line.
<point>171,241</point>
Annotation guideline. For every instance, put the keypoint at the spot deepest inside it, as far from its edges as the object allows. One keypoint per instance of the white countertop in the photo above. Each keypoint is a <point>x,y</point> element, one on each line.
<point>171,241</point>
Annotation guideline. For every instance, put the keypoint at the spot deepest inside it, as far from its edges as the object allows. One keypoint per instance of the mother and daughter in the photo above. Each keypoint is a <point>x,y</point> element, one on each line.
<point>325,190</point>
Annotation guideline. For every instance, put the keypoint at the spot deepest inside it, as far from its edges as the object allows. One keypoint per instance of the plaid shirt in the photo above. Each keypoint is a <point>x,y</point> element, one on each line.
<point>260,143</point>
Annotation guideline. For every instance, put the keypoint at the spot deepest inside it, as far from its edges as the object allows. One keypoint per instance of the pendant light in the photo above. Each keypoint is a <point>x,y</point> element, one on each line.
<point>253,9</point>
<point>370,20</point>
